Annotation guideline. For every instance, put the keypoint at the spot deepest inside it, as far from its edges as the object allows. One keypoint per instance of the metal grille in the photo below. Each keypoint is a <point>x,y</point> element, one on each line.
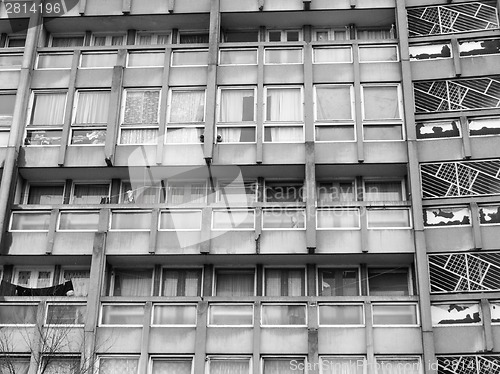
<point>447,19</point>
<point>464,272</point>
<point>468,364</point>
<point>457,94</point>
<point>461,178</point>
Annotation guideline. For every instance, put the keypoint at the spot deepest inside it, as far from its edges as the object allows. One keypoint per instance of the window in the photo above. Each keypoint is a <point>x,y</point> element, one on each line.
<point>174,314</point>
<point>378,53</point>
<point>284,35</point>
<point>234,282</point>
<point>181,282</point>
<point>230,315</point>
<point>479,48</point>
<point>398,365</point>
<point>18,364</point>
<point>11,61</point>
<point>145,59</point>
<point>180,220</point>
<point>344,365</point>
<point>122,314</point>
<point>66,40</point>
<point>228,364</point>
<point>54,61</point>
<point>284,192</point>
<point>20,314</point>
<point>233,219</point>
<point>489,215</point>
<point>238,56</point>
<point>171,365</point>
<point>283,315</point>
<point>33,278</point>
<point>438,130</point>
<point>179,193</point>
<point>138,193</point>
<point>7,102</point>
<point>273,56</point>
<point>86,193</point>
<point>334,107</point>
<point>100,40</point>
<point>90,118</point>
<point>331,34</point>
<point>447,216</point>
<point>65,314</point>
<point>389,282</point>
<point>480,126</point>
<point>382,112</point>
<point>430,51</point>
<point>30,221</point>
<point>332,55</point>
<point>98,60</point>
<point>394,314</point>
<point>338,219</point>
<point>140,117</point>
<point>15,41</point>
<point>240,36</point>
<point>336,191</point>
<point>78,221</point>
<point>455,314</point>
<point>338,282</point>
<point>190,57</point>
<point>284,365</point>
<point>375,33</point>
<point>152,38</point>
<point>46,119</point>
<point>131,282</point>
<point>113,365</point>
<point>236,107</point>
<point>341,314</point>
<point>495,311</point>
<point>389,218</point>
<point>45,194</point>
<point>236,192</point>
<point>57,364</point>
<point>284,115</point>
<point>284,282</point>
<point>130,220</point>
<point>80,279</point>
<point>186,116</point>
<point>193,37</point>
<point>283,219</point>
<point>383,190</point>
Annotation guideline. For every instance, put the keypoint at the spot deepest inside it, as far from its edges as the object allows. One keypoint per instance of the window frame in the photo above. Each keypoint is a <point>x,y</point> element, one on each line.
<point>301,62</point>
<point>488,206</point>
<point>133,304</point>
<point>57,325</point>
<point>218,357</point>
<point>199,126</point>
<point>155,357</point>
<point>424,123</point>
<point>28,212</point>
<point>201,279</point>
<point>74,183</point>
<point>247,304</point>
<point>14,37</point>
<point>331,33</point>
<point>168,210</point>
<point>284,303</point>
<point>110,222</point>
<point>384,180</point>
<point>66,35</point>
<point>34,270</point>
<point>375,46</point>
<point>474,118</point>
<point>21,304</point>
<point>238,49</point>
<point>152,324</point>
<point>38,55</point>
<point>144,52</point>
<point>115,357</point>
<point>459,303</point>
<point>323,359</point>
<point>248,270</point>
<point>29,185</point>
<point>414,304</point>
<point>329,47</point>
<point>399,269</point>
<point>281,268</point>
<point>437,226</point>
<point>353,209</point>
<point>345,325</point>
<point>375,208</point>
<point>301,210</point>
<point>91,53</point>
<point>187,51</point>
<point>157,186</point>
<point>108,39</point>
<point>319,278</point>
<point>154,35</point>
<point>284,36</point>
<point>171,183</point>
<point>397,359</point>
<point>224,183</point>
<point>13,67</point>
<point>58,223</point>
<point>213,228</point>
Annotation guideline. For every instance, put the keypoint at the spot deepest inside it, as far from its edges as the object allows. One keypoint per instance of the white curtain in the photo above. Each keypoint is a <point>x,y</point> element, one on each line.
<point>180,193</point>
<point>190,135</point>
<point>283,366</point>
<point>129,282</point>
<point>76,41</point>
<point>48,109</point>
<point>90,193</point>
<point>187,106</point>
<point>284,104</point>
<point>181,282</point>
<point>284,282</point>
<point>383,191</point>
<point>141,107</point>
<point>138,136</point>
<point>229,134</point>
<point>283,134</point>
<point>92,108</point>
<point>118,365</point>
<point>333,103</point>
<point>237,105</point>
<point>381,102</point>
<point>235,283</point>
<point>229,366</point>
<point>80,280</point>
<point>171,367</point>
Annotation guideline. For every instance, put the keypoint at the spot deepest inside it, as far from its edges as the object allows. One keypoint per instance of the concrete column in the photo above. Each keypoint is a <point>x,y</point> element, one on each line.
<point>162,130</point>
<point>114,114</point>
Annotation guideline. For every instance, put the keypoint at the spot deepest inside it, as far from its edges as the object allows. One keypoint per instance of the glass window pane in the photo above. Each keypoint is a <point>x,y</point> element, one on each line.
<point>333,103</point>
<point>189,58</point>
<point>146,59</point>
<point>30,221</point>
<point>118,365</point>
<point>58,365</point>
<point>332,55</point>
<point>283,219</point>
<point>131,221</point>
<point>238,57</point>
<point>383,191</point>
<point>186,192</point>
<point>343,365</point>
<point>403,314</point>
<point>43,137</point>
<point>382,132</point>
<point>141,107</point>
<point>284,282</point>
<point>122,314</point>
<point>235,192</point>
<point>80,280</point>
<point>388,282</point>
<point>235,283</point>
<point>283,56</point>
<point>229,315</point>
<point>378,53</point>
<point>284,105</point>
<point>18,314</point>
<point>489,215</point>
<point>54,61</point>
<point>447,216</point>
<point>90,193</point>
<point>341,314</point>
<point>479,48</point>
<point>237,105</point>
<point>381,102</point>
<point>7,103</point>
<point>191,38</point>
<point>172,365</point>
<point>138,136</point>
<point>233,219</point>
<point>67,41</point>
<point>174,315</point>
<point>292,365</point>
<point>48,109</point>
<point>238,36</point>
<point>338,282</point>
<point>229,366</point>
<point>284,192</point>
<point>452,314</point>
<point>65,314</point>
<point>389,218</point>
<point>78,221</point>
<point>180,220</point>
<point>132,282</point>
<point>335,191</point>
<point>16,42</point>
<point>181,282</point>
<point>98,60</point>
<point>90,136</point>
<point>477,126</point>
<point>281,315</point>
<point>236,134</point>
<point>404,366</point>
<point>337,133</point>
<point>338,219</point>
<point>187,106</point>
<point>185,135</point>
<point>441,129</point>
<point>139,193</point>
<point>284,134</point>
<point>430,51</point>
<point>47,195</point>
<point>92,108</point>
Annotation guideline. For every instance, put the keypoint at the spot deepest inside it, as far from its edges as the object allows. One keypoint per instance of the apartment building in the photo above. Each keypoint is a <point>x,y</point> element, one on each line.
<point>250,186</point>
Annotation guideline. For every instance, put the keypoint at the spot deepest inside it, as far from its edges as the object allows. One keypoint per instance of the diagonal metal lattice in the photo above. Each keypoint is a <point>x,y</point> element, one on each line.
<point>464,272</point>
<point>452,18</point>
<point>457,94</point>
<point>461,178</point>
<point>468,364</point>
